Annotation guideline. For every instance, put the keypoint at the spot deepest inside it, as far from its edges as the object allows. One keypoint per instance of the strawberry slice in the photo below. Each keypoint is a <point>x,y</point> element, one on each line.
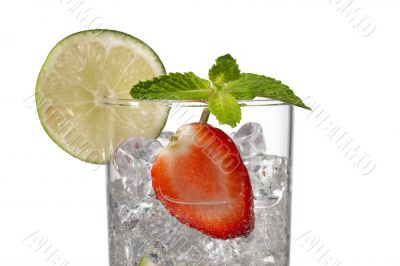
<point>201,179</point>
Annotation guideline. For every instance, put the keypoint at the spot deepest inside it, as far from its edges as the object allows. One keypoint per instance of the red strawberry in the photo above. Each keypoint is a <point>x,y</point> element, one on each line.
<point>201,179</point>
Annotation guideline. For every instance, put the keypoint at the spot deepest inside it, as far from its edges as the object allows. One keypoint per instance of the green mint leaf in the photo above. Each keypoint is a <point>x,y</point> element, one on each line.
<point>224,70</point>
<point>225,108</point>
<point>227,86</point>
<point>249,86</point>
<point>174,86</point>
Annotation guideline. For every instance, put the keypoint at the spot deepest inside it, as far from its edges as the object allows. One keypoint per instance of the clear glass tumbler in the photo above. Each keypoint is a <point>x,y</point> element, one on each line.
<point>141,229</point>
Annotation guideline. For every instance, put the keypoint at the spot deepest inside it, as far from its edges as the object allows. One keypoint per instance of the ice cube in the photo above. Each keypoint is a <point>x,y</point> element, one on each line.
<point>151,149</point>
<point>249,139</point>
<point>141,187</point>
<point>254,163</point>
<point>136,148</point>
<point>218,251</point>
<point>274,165</point>
<point>133,158</point>
<point>127,155</point>
<point>146,189</point>
<point>127,217</point>
<point>269,179</point>
<point>131,214</point>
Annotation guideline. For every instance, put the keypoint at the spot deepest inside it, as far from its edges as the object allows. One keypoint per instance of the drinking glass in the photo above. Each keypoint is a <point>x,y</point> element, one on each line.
<point>141,230</point>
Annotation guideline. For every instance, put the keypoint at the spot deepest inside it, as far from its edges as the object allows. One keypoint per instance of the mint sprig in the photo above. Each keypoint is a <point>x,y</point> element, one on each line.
<point>227,86</point>
<point>224,70</point>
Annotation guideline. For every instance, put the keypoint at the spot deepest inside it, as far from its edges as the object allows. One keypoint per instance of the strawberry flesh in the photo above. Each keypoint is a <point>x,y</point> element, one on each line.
<point>201,179</point>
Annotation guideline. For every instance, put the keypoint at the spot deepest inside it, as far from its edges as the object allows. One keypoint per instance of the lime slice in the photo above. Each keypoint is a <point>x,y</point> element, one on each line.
<point>146,261</point>
<point>79,73</point>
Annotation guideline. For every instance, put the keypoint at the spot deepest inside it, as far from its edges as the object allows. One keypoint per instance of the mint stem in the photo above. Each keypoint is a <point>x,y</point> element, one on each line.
<point>205,115</point>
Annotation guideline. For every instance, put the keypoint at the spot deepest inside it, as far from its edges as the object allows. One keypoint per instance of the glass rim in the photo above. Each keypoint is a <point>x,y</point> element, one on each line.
<point>188,103</point>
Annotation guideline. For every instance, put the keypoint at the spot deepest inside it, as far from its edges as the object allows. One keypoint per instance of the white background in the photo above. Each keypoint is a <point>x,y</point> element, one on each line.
<point>310,45</point>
